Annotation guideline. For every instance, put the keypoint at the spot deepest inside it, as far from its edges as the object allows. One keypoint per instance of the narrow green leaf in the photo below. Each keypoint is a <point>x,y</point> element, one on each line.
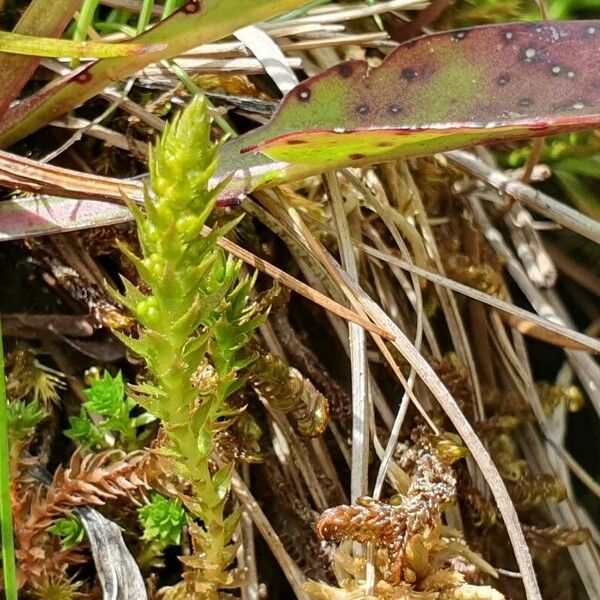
<point>29,45</point>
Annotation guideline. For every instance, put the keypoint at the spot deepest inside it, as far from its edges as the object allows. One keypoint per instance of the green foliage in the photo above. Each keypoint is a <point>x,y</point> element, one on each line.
<point>195,321</point>
<point>163,520</point>
<point>70,531</point>
<point>574,160</point>
<point>573,9</point>
<point>107,414</point>
<point>85,432</point>
<point>105,396</point>
<point>23,418</point>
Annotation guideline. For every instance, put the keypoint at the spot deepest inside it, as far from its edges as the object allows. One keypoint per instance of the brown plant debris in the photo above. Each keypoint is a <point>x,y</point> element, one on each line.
<point>390,526</point>
<point>415,556</point>
<point>90,480</point>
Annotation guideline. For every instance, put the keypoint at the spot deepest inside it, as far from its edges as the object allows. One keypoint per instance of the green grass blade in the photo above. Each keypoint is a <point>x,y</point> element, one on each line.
<point>6,523</point>
<point>83,23</point>
<point>43,18</point>
<point>29,45</point>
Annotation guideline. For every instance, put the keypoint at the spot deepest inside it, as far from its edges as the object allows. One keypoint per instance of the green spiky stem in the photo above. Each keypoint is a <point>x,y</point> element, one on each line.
<point>194,321</point>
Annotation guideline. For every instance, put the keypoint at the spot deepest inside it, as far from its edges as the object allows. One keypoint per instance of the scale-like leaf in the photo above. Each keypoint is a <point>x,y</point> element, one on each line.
<point>441,91</point>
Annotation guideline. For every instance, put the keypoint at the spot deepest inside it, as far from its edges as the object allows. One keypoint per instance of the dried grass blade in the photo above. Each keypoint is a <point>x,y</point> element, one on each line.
<point>289,567</point>
<point>363,303</point>
<point>359,476</point>
<point>542,203</point>
<point>554,332</point>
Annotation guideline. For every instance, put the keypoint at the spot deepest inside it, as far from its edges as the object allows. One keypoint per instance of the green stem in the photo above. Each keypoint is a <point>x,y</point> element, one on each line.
<point>8,544</point>
<point>169,8</point>
<point>84,22</point>
<point>144,16</point>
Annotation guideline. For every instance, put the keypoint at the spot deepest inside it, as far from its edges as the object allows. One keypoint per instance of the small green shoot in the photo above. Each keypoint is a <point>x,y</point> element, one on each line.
<point>196,319</point>
<point>70,531</point>
<point>23,418</point>
<point>163,520</point>
<point>107,414</point>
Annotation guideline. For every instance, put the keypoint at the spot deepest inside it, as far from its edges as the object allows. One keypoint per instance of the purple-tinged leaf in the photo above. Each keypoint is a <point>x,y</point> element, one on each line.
<point>29,217</point>
<point>442,91</point>
<point>41,17</point>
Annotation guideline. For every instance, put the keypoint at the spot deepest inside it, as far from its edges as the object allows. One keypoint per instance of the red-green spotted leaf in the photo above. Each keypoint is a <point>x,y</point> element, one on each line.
<point>442,91</point>
<point>438,92</point>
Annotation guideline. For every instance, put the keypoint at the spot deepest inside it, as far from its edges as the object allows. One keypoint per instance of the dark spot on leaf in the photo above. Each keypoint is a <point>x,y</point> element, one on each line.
<point>346,70</point>
<point>83,77</point>
<point>363,109</point>
<point>357,156</point>
<point>525,102</point>
<point>503,79</point>
<point>408,74</point>
<point>458,36</point>
<point>394,109</point>
<point>410,44</point>
<point>303,94</point>
<point>192,7</point>
<point>384,144</point>
<point>296,142</point>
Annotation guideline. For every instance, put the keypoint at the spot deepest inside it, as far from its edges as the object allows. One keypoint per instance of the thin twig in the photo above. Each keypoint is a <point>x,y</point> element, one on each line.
<point>287,564</point>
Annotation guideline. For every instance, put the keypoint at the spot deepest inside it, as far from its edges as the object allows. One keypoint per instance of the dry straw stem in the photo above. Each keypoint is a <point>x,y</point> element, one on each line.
<point>585,557</point>
<point>542,203</point>
<point>584,365</point>
<point>523,320</point>
<point>290,569</point>
<point>359,477</point>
